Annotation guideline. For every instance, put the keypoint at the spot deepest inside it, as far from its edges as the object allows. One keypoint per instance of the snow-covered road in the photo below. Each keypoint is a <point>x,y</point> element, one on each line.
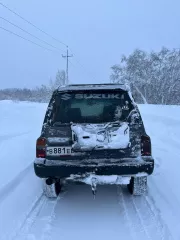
<point>25,214</point>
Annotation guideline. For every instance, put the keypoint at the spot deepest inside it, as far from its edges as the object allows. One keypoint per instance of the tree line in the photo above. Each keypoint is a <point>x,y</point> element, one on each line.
<point>38,94</point>
<point>154,77</point>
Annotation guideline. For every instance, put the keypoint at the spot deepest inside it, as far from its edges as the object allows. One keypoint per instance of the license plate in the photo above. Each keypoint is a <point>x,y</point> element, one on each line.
<point>58,151</point>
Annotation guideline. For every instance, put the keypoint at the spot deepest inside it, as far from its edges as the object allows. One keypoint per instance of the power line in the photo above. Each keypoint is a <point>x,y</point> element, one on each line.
<point>82,66</point>
<point>25,39</point>
<point>72,63</point>
<point>85,70</point>
<point>57,40</point>
<point>47,34</point>
<point>30,34</point>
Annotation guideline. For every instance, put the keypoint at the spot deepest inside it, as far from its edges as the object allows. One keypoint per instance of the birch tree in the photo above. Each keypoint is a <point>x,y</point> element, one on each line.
<point>154,77</point>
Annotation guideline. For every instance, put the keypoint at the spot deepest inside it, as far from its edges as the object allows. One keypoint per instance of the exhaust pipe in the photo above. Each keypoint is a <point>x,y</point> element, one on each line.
<point>50,181</point>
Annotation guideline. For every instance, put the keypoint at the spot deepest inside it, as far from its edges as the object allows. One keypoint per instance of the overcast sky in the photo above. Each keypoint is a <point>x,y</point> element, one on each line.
<point>98,32</point>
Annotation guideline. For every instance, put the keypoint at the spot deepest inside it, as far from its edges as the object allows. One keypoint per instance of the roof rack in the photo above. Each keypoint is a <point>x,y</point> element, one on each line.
<point>102,86</point>
<point>96,84</point>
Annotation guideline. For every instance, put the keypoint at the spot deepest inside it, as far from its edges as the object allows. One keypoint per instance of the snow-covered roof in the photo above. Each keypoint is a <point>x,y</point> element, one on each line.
<point>93,87</point>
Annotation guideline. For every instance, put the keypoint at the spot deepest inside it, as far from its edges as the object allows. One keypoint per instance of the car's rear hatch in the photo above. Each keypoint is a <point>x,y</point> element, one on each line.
<point>89,125</point>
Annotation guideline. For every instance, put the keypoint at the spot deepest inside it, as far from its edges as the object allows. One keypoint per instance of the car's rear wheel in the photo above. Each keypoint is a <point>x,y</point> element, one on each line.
<point>138,186</point>
<point>53,190</point>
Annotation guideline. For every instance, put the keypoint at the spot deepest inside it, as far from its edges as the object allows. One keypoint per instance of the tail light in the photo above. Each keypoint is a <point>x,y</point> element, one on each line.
<point>145,146</point>
<point>41,148</point>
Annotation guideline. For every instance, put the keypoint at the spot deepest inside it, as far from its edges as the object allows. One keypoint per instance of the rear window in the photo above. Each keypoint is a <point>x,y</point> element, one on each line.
<point>91,107</point>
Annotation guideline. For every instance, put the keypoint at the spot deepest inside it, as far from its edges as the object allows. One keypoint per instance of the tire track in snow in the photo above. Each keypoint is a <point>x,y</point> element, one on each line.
<point>133,223</point>
<point>139,216</point>
<point>6,190</point>
<point>46,233</point>
<point>30,218</point>
<point>147,222</point>
<point>36,226</point>
<point>144,218</point>
<point>169,201</point>
<point>30,214</point>
<point>144,226</point>
<point>122,202</point>
<point>163,229</point>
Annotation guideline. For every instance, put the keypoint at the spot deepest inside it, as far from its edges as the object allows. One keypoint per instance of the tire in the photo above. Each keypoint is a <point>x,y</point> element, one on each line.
<point>53,190</point>
<point>137,186</point>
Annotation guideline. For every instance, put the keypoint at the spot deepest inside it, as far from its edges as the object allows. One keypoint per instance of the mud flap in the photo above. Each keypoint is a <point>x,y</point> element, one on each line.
<point>94,182</point>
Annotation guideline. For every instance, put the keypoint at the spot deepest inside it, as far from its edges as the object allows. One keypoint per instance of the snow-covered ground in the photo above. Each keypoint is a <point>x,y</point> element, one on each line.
<point>25,214</point>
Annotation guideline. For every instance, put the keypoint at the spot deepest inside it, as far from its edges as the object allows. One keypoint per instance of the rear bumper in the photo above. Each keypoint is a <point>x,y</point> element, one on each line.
<point>44,169</point>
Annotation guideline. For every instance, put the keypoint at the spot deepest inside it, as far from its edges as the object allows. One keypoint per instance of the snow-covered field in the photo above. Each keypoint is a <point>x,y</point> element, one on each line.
<point>25,214</point>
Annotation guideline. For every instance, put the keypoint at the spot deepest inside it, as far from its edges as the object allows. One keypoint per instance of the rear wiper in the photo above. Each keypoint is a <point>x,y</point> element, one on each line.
<point>60,124</point>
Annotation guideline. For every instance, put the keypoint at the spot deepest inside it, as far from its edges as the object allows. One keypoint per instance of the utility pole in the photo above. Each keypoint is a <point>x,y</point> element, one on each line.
<point>67,56</point>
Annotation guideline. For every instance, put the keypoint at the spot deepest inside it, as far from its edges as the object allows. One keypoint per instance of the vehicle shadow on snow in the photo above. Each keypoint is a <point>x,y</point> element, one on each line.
<point>80,193</point>
<point>114,209</point>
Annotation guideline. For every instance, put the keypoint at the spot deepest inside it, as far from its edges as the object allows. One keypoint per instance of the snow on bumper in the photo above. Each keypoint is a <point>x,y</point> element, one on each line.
<point>64,169</point>
<point>100,180</point>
